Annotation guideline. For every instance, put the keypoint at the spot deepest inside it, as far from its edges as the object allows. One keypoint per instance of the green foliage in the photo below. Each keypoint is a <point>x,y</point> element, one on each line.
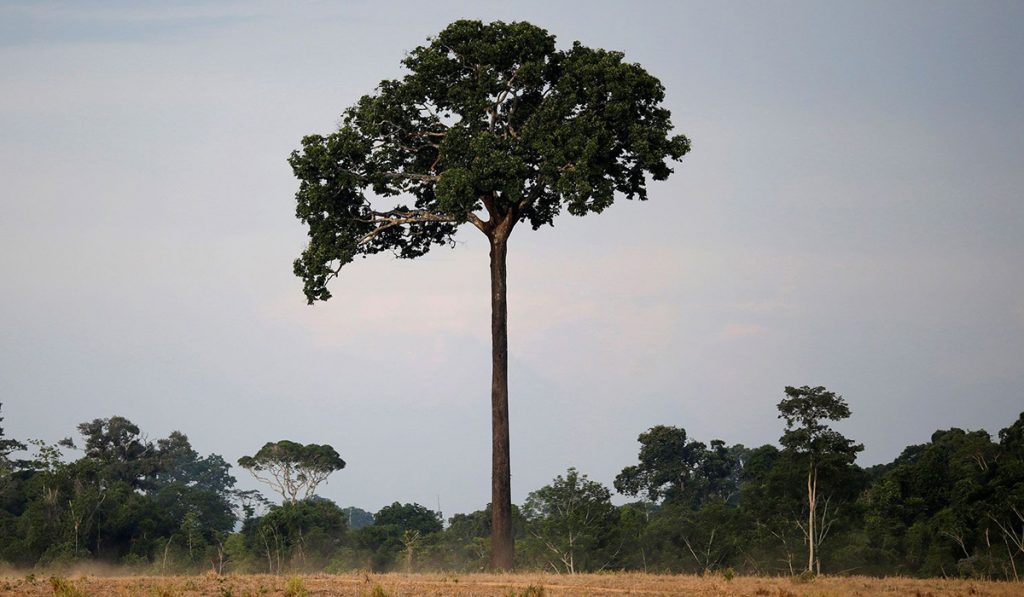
<point>358,518</point>
<point>298,536</point>
<point>411,517</point>
<point>674,468</point>
<point>806,411</point>
<point>824,453</point>
<point>6,447</point>
<point>466,541</point>
<point>118,502</point>
<point>292,469</point>
<point>295,587</point>
<point>951,506</point>
<point>487,117</point>
<point>191,532</point>
<point>117,444</point>
<point>399,529</point>
<point>571,524</point>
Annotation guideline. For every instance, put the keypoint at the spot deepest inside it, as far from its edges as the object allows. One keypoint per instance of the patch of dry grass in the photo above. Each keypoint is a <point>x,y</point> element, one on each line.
<point>502,585</point>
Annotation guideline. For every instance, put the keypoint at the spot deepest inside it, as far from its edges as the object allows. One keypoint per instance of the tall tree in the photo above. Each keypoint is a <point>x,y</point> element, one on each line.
<point>493,126</point>
<point>292,469</point>
<point>807,411</point>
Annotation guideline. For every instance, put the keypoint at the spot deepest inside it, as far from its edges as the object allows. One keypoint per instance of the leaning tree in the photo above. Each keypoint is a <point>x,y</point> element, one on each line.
<point>492,125</point>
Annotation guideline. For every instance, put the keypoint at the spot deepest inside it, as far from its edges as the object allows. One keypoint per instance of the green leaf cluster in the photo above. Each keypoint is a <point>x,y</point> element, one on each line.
<point>490,118</point>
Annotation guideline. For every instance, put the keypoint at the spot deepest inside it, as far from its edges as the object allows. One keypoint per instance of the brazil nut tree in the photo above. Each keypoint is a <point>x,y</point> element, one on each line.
<point>492,125</point>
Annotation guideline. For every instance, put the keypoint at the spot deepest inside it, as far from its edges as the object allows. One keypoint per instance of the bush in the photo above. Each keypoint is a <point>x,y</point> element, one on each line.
<point>295,588</point>
<point>62,587</point>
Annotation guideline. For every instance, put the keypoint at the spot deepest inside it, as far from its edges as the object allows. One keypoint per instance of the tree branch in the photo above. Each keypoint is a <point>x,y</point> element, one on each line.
<point>386,221</point>
<point>476,221</point>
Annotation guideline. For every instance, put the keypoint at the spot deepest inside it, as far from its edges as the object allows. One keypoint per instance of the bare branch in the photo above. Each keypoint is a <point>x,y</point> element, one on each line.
<point>405,218</point>
<point>413,176</point>
<point>476,221</point>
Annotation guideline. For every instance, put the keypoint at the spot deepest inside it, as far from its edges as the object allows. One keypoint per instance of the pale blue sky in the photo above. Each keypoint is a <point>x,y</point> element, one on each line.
<point>850,216</point>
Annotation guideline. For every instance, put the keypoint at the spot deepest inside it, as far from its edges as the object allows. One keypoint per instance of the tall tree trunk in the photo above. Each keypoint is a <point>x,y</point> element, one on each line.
<point>502,542</point>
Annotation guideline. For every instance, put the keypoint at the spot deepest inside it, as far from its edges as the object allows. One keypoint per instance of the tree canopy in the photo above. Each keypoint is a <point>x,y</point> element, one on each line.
<point>292,469</point>
<point>807,412</point>
<point>489,117</point>
<point>675,469</point>
<point>951,506</point>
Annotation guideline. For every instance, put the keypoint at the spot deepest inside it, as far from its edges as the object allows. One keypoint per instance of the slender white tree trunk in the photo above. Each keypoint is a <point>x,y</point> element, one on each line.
<point>812,498</point>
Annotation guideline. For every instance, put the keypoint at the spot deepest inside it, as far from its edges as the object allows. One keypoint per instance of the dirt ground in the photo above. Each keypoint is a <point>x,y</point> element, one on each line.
<point>496,585</point>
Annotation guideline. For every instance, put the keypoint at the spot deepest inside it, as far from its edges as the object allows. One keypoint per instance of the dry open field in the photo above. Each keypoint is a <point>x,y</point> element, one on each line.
<point>497,585</point>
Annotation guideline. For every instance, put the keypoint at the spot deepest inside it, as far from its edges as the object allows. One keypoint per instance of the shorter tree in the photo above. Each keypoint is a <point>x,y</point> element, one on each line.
<point>680,470</point>
<point>293,469</point>
<point>409,517</point>
<point>396,529</point>
<point>697,541</point>
<point>574,521</point>
<point>808,437</point>
<point>299,536</point>
<point>358,518</point>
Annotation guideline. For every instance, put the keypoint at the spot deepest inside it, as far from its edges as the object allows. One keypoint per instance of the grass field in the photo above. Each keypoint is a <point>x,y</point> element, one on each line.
<point>497,585</point>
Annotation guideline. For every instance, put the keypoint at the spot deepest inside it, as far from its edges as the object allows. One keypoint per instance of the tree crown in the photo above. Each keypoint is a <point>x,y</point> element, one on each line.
<point>806,411</point>
<point>293,469</point>
<point>490,118</point>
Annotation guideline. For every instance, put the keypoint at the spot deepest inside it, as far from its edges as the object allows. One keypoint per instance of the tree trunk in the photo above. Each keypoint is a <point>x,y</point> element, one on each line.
<point>502,542</point>
<point>812,498</point>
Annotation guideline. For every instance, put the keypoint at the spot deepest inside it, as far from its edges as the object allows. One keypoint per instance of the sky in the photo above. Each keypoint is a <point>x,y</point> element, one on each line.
<point>850,216</point>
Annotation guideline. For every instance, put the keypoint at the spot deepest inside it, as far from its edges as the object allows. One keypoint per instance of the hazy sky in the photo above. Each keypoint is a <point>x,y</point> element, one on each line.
<point>851,216</point>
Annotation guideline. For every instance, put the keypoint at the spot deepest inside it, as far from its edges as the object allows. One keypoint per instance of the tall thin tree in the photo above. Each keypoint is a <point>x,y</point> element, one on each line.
<point>492,125</point>
<point>807,411</point>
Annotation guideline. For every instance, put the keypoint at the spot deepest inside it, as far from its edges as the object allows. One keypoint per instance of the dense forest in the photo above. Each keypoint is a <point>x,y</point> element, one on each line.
<point>951,507</point>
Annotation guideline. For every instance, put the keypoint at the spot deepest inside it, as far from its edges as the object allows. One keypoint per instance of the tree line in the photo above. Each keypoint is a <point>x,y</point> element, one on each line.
<point>951,507</point>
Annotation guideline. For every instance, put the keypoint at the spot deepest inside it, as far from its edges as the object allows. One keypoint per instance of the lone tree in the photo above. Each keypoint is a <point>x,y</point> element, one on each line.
<point>292,469</point>
<point>492,126</point>
<point>806,411</point>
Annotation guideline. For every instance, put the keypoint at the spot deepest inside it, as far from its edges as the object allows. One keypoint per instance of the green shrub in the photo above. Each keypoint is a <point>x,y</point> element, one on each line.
<point>295,588</point>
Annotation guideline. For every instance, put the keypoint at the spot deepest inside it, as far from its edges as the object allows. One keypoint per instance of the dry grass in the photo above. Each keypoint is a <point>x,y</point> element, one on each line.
<point>495,585</point>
